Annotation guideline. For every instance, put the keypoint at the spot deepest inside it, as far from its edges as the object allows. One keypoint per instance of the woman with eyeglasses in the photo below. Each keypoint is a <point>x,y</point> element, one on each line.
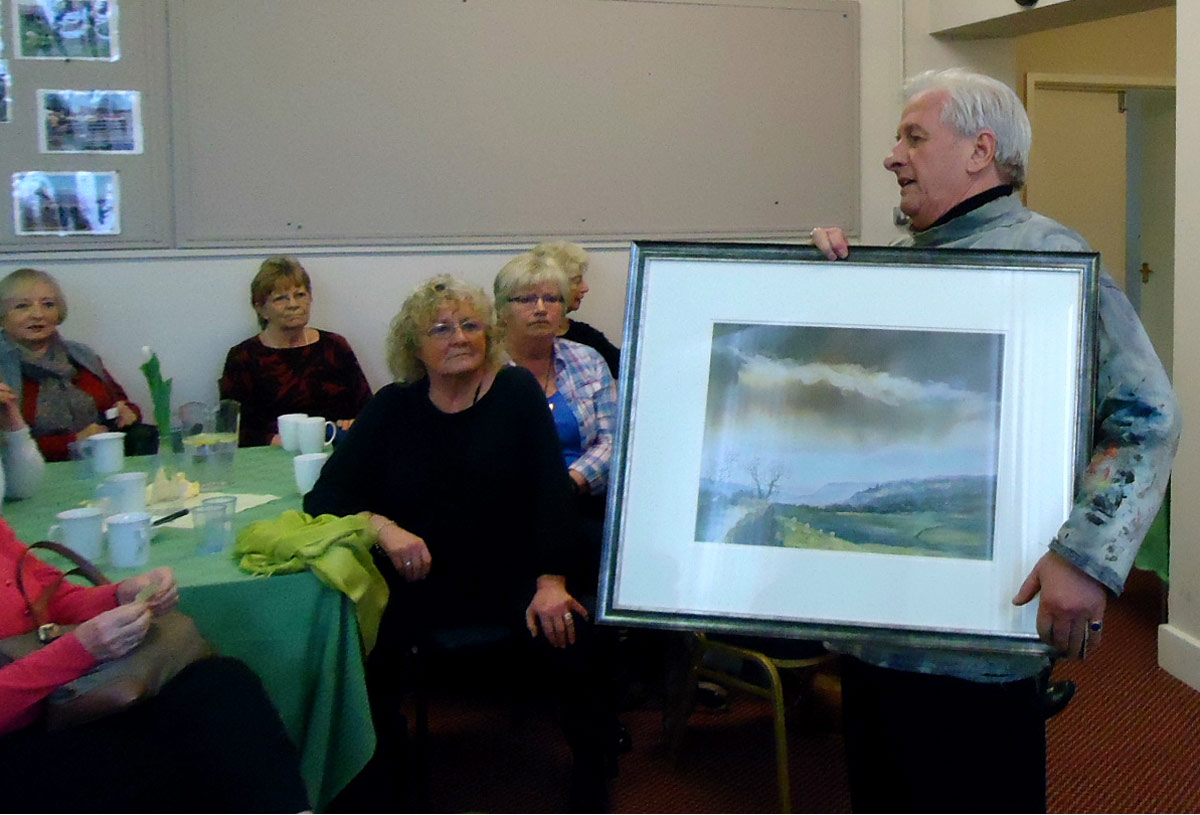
<point>456,467</point>
<point>289,366</point>
<point>531,292</point>
<point>62,387</point>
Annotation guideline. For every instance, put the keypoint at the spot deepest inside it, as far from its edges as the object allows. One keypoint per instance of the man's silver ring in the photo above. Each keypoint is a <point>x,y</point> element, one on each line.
<point>408,563</point>
<point>1095,626</point>
<point>567,616</point>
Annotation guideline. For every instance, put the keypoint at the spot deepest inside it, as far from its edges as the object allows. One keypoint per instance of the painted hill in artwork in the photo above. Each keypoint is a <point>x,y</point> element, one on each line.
<point>955,494</point>
<point>933,517</point>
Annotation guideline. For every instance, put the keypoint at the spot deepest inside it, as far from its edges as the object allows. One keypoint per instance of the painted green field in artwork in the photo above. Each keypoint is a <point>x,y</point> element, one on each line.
<point>928,533</point>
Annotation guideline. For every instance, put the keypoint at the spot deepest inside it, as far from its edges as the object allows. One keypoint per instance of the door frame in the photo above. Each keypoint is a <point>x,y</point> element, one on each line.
<point>1092,83</point>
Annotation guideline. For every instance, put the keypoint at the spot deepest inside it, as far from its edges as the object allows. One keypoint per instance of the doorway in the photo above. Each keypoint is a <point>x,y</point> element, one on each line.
<point>1103,163</point>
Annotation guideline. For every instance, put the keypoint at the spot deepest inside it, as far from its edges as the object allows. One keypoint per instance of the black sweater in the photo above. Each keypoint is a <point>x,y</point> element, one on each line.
<point>486,488</point>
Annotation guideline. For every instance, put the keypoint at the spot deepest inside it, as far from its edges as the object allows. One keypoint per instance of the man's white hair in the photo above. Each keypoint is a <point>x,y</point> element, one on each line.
<point>977,102</point>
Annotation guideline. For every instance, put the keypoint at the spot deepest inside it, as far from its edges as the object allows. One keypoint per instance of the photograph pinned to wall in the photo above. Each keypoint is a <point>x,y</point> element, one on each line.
<point>102,121</point>
<point>876,449</point>
<point>80,203</point>
<point>851,439</point>
<point>66,29</point>
<point>5,91</point>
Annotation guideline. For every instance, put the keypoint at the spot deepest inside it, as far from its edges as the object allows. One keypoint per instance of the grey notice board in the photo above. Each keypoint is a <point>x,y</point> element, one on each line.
<point>361,122</point>
<point>384,121</point>
<point>144,179</point>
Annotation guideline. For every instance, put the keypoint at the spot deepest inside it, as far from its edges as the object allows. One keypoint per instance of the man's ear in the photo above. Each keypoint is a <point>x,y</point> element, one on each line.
<point>983,153</point>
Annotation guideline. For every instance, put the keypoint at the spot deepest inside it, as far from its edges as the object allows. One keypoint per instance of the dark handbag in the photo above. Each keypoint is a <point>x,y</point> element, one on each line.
<point>171,644</point>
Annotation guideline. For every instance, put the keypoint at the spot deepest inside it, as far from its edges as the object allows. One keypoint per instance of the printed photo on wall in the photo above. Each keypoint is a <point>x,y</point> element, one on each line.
<point>66,29</point>
<point>89,121</point>
<point>66,203</point>
<point>5,91</point>
<point>851,439</point>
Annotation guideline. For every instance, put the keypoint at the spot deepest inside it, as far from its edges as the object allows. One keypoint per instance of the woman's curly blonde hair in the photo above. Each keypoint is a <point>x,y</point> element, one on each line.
<point>419,313</point>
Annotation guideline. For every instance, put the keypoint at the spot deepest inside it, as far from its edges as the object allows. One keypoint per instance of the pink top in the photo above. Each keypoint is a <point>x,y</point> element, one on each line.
<point>26,682</point>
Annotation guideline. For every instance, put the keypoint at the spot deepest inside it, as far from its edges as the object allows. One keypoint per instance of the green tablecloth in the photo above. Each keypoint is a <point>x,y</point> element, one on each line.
<point>299,635</point>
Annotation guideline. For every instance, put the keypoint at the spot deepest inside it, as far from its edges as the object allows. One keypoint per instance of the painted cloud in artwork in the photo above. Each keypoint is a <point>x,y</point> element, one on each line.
<point>846,404</point>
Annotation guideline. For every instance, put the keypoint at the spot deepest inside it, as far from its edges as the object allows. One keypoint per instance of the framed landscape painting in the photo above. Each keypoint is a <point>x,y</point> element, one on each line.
<point>873,449</point>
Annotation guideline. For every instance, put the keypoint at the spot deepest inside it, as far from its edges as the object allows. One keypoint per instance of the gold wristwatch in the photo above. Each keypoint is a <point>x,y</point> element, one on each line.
<point>48,633</point>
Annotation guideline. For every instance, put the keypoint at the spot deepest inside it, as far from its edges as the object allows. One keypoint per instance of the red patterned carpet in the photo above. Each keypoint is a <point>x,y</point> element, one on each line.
<point>1130,740</point>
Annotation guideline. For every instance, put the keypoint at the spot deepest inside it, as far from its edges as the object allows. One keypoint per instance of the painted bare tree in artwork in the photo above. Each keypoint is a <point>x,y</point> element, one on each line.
<point>765,477</point>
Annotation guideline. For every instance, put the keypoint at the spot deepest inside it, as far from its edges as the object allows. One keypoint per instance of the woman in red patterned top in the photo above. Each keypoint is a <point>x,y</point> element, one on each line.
<point>290,367</point>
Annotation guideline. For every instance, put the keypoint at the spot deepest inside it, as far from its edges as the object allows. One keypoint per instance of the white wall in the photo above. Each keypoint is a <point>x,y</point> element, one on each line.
<point>1179,640</point>
<point>192,308</point>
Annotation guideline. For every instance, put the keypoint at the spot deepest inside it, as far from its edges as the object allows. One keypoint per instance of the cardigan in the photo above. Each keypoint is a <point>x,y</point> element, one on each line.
<point>26,682</point>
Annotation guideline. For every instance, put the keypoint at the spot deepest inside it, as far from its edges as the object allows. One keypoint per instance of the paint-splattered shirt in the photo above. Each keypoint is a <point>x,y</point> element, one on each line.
<point>1137,425</point>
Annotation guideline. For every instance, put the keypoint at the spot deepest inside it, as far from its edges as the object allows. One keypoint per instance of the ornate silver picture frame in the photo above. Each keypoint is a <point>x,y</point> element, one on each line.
<point>878,448</point>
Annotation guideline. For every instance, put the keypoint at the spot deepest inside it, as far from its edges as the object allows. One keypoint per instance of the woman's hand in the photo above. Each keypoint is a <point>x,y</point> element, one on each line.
<point>116,632</point>
<point>579,484</point>
<point>90,431</point>
<point>408,553</point>
<point>165,597</point>
<point>10,409</point>
<point>125,414</point>
<point>553,609</point>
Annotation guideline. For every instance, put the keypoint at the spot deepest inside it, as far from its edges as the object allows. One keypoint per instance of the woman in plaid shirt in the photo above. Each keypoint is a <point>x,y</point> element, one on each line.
<point>531,293</point>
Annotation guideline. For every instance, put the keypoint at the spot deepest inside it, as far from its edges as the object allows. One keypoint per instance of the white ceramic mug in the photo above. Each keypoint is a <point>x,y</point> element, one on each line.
<point>287,430</point>
<point>126,492</point>
<point>128,540</point>
<point>80,530</point>
<point>307,467</point>
<point>108,452</point>
<point>314,434</point>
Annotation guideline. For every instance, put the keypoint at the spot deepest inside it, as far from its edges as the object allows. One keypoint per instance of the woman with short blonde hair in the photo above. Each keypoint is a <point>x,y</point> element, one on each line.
<point>420,311</point>
<point>62,388</point>
<point>574,261</point>
<point>457,469</point>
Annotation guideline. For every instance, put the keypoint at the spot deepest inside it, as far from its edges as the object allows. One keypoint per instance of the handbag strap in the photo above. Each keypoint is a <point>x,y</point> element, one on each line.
<point>39,606</point>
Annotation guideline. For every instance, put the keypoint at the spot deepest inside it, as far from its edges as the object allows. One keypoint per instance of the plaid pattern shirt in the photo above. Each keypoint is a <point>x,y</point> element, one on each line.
<point>583,378</point>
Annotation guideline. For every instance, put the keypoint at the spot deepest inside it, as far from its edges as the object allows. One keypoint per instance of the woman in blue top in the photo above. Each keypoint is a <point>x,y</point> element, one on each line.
<point>531,291</point>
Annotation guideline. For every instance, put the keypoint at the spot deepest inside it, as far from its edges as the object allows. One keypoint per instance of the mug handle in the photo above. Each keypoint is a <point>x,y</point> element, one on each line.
<point>330,433</point>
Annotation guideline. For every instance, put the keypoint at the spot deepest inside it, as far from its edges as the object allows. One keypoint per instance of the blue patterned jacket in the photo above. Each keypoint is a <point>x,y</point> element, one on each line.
<point>1137,425</point>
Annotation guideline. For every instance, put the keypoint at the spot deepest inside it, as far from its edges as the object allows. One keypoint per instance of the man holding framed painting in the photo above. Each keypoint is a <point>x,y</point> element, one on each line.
<point>935,730</point>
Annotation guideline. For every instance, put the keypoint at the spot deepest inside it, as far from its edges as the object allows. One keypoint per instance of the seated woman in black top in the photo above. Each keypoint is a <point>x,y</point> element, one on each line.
<point>458,467</point>
<point>573,260</point>
<point>290,367</point>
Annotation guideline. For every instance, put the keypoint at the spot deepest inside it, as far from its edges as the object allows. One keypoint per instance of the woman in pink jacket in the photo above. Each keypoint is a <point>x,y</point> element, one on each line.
<point>209,741</point>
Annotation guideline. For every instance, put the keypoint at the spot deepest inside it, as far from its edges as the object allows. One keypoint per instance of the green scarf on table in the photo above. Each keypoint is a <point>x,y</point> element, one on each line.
<point>338,550</point>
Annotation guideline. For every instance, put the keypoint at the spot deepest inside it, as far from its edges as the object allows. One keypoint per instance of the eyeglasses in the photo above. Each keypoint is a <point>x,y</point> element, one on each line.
<point>444,331</point>
<point>531,299</point>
